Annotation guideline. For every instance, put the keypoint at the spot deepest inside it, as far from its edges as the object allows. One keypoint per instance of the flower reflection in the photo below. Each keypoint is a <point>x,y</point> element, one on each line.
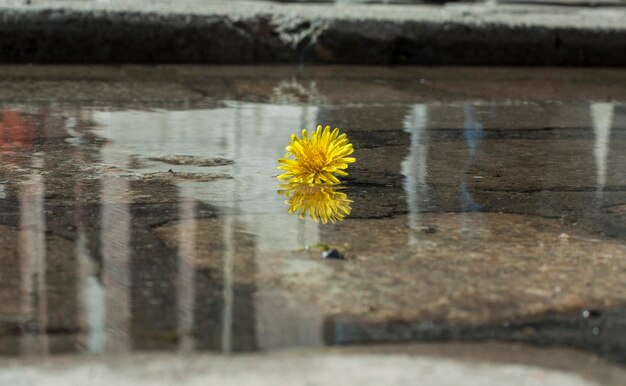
<point>321,202</point>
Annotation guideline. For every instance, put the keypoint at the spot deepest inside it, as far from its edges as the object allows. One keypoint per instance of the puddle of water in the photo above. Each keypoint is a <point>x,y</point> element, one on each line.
<point>159,227</point>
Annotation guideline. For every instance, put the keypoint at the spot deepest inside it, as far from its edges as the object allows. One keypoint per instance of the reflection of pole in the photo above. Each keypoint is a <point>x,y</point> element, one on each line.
<point>116,252</point>
<point>91,298</point>
<point>228,293</point>
<point>186,293</point>
<point>414,167</point>
<point>602,120</point>
<point>33,257</point>
<point>91,314</point>
<point>228,290</point>
<point>473,131</point>
<point>32,251</point>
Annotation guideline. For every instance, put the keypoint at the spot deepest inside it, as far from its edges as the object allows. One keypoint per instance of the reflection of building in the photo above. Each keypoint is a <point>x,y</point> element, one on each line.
<point>254,135</point>
<point>469,157</point>
<point>27,255</point>
<point>86,271</point>
<point>16,132</point>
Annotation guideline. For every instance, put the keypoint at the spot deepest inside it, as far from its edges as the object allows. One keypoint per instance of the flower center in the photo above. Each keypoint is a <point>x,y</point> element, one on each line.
<point>316,161</point>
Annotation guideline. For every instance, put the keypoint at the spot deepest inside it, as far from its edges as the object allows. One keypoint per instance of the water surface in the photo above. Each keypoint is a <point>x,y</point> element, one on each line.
<point>487,203</point>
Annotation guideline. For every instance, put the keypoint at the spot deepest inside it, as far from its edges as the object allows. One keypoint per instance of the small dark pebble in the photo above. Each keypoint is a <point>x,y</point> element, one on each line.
<point>170,171</point>
<point>332,254</point>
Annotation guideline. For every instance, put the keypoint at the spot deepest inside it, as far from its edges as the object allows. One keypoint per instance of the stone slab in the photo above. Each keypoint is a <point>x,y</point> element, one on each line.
<point>220,32</point>
<point>426,365</point>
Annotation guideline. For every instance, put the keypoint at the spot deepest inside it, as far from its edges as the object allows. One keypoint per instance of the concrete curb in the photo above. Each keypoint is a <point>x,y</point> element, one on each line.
<point>292,368</point>
<point>259,32</point>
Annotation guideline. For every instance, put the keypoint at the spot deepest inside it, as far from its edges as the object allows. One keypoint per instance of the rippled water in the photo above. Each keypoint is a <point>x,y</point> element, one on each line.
<point>480,198</point>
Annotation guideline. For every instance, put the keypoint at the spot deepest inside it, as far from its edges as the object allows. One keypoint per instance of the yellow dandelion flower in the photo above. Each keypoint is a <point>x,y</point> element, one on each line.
<point>321,202</point>
<point>318,158</point>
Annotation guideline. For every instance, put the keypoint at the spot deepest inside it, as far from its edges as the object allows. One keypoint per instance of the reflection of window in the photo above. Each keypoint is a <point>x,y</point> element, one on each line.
<point>15,131</point>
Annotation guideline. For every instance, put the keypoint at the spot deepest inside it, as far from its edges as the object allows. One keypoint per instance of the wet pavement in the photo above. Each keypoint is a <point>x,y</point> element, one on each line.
<point>139,209</point>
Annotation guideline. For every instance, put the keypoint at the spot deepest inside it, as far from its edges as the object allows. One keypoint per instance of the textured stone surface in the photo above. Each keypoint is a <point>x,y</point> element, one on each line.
<point>386,90</point>
<point>262,32</point>
<point>471,268</point>
<point>304,369</point>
